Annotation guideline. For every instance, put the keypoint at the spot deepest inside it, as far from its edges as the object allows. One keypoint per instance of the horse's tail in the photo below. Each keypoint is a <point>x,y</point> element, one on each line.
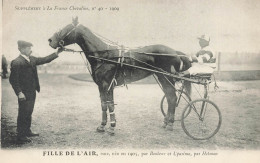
<point>187,87</point>
<point>186,66</point>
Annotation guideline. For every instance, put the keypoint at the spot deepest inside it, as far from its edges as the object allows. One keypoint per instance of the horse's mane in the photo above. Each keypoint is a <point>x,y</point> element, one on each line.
<point>91,39</point>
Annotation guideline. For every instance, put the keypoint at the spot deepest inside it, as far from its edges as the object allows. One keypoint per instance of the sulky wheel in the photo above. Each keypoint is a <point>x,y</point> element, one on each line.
<point>202,119</point>
<point>181,103</point>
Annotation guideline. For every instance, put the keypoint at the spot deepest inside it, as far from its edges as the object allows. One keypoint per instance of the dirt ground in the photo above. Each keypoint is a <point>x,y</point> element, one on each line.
<point>67,113</point>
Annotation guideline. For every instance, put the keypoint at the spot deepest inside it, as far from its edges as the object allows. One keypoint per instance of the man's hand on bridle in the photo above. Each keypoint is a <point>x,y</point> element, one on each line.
<point>60,50</point>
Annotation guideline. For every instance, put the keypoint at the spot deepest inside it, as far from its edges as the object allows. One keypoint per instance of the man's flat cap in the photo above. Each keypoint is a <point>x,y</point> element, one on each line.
<point>23,44</point>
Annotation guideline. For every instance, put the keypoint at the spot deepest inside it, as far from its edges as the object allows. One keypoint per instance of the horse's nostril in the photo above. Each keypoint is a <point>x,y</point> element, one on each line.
<point>49,40</point>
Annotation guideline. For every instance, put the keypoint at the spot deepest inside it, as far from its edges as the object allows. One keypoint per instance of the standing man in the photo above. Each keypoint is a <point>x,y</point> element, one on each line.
<point>25,82</point>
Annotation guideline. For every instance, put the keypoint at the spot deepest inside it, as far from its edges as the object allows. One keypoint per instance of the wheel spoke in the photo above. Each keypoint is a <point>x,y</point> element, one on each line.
<point>182,100</point>
<point>204,126</point>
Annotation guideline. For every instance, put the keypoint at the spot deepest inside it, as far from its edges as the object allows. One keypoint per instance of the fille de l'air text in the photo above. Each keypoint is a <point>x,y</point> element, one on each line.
<point>69,153</point>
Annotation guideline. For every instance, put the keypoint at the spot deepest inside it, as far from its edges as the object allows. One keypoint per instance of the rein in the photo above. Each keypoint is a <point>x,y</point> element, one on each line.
<point>121,59</point>
<point>142,68</point>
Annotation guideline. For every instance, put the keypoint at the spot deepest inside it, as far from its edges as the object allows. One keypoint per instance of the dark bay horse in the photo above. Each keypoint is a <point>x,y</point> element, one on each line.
<point>104,73</point>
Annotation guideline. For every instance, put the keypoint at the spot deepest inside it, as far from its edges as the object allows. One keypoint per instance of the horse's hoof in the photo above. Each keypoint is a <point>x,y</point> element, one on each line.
<point>169,127</point>
<point>101,128</point>
<point>164,125</point>
<point>111,131</point>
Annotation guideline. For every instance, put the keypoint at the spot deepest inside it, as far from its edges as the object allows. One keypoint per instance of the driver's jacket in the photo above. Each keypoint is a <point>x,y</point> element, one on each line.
<point>205,55</point>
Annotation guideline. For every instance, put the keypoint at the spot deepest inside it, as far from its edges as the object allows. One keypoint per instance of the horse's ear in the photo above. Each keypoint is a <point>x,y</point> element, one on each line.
<point>75,21</point>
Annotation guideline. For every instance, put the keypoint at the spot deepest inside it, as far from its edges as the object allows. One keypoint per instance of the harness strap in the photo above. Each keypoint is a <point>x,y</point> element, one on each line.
<point>61,41</point>
<point>123,56</point>
<point>109,101</point>
<point>131,61</point>
<point>181,65</point>
<point>87,65</point>
<point>120,61</point>
<point>113,81</point>
<point>119,55</point>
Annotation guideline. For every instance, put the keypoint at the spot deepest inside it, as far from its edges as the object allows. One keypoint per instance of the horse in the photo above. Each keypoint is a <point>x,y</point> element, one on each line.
<point>107,75</point>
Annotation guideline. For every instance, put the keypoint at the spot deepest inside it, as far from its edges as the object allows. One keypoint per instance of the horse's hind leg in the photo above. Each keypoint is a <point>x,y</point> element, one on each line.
<point>171,97</point>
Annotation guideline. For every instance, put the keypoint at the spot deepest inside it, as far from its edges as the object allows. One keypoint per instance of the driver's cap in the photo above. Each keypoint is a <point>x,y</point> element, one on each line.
<point>204,37</point>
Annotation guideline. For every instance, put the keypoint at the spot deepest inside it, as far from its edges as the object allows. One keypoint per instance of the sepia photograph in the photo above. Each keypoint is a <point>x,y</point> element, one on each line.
<point>130,81</point>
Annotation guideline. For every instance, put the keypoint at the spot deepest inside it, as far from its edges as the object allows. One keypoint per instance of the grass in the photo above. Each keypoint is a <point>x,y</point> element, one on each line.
<point>67,113</point>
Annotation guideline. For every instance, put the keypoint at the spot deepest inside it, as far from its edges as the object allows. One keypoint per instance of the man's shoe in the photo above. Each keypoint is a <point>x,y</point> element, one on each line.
<point>31,134</point>
<point>23,139</point>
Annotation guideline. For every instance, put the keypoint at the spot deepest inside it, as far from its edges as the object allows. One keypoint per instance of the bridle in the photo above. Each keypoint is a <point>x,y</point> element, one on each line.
<point>61,42</point>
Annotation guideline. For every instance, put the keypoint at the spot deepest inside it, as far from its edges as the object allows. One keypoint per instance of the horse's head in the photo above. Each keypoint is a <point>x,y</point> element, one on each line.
<point>65,36</point>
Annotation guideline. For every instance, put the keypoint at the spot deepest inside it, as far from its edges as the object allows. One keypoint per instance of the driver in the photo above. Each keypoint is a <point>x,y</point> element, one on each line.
<point>203,61</point>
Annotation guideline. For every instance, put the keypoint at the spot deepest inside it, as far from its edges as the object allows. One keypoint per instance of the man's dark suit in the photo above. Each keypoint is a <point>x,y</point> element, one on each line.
<point>24,78</point>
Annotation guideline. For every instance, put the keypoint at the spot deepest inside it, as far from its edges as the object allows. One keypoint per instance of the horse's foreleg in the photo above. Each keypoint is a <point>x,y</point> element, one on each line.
<point>101,128</point>
<point>107,103</point>
<point>111,108</point>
